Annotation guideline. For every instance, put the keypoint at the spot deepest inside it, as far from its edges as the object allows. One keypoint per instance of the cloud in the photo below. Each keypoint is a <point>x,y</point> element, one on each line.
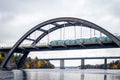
<point>23,15</point>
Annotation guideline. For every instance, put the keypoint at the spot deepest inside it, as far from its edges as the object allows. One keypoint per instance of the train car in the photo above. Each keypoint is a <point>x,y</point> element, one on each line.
<point>67,42</point>
<point>94,40</point>
<point>86,40</point>
<point>55,42</point>
<point>73,42</point>
<point>70,42</point>
<point>105,39</point>
<point>80,41</point>
<point>60,42</point>
<point>118,37</point>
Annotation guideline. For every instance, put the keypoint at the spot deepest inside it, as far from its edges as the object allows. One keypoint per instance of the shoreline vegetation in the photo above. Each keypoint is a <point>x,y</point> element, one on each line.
<point>43,64</point>
<point>29,63</point>
<point>111,65</point>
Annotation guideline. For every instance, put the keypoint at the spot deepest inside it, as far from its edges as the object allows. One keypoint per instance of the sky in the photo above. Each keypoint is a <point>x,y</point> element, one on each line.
<point>19,16</point>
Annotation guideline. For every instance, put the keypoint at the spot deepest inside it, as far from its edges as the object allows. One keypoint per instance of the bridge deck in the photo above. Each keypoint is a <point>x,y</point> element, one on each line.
<point>113,57</point>
<point>62,47</point>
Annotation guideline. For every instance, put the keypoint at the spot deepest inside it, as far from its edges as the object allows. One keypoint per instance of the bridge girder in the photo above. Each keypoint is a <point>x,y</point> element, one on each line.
<point>69,22</point>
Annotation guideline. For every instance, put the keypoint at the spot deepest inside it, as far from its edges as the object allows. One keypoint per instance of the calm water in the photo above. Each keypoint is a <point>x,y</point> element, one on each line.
<point>66,74</point>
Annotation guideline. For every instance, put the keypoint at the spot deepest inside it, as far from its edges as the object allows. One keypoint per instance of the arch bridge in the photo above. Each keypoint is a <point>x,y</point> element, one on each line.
<point>47,27</point>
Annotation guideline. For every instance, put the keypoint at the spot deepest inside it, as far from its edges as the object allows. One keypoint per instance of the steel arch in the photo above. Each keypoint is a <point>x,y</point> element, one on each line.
<point>70,21</point>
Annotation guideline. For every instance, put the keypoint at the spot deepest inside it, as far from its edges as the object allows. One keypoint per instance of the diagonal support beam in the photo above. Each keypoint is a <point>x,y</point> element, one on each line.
<point>30,39</point>
<point>35,47</point>
<point>43,30</point>
<point>22,60</point>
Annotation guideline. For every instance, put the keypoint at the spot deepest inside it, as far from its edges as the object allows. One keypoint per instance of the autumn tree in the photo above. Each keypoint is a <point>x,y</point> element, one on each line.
<point>40,64</point>
<point>1,57</point>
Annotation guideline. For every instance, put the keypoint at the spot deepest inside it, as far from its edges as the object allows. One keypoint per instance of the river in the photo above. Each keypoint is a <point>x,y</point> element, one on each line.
<point>66,74</point>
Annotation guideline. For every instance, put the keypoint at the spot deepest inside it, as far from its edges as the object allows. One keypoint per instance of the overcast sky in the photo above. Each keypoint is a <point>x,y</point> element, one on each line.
<point>18,16</point>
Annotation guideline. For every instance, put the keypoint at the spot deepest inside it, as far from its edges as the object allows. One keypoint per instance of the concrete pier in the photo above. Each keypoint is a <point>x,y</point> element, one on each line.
<point>82,63</point>
<point>105,63</point>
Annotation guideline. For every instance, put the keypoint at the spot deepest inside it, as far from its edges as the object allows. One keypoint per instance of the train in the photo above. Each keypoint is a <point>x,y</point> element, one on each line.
<point>93,40</point>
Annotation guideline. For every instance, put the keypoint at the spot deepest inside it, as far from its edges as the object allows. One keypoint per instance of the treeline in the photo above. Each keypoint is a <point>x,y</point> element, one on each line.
<point>114,65</point>
<point>29,62</point>
<point>111,65</point>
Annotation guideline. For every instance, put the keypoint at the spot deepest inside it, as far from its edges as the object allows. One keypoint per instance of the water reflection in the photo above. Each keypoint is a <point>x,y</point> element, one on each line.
<point>105,77</point>
<point>82,76</point>
<point>24,75</point>
<point>62,75</point>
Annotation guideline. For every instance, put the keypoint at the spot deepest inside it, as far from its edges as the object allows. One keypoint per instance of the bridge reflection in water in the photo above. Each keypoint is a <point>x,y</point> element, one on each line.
<point>68,74</point>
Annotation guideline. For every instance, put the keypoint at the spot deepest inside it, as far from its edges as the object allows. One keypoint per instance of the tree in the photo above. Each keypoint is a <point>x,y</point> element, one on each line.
<point>115,66</point>
<point>39,64</point>
<point>1,57</point>
<point>27,65</point>
<point>16,58</point>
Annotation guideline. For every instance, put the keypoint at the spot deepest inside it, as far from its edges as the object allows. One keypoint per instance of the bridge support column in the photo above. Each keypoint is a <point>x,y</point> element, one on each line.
<point>105,63</point>
<point>82,63</point>
<point>22,60</point>
<point>62,64</point>
<point>9,62</point>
